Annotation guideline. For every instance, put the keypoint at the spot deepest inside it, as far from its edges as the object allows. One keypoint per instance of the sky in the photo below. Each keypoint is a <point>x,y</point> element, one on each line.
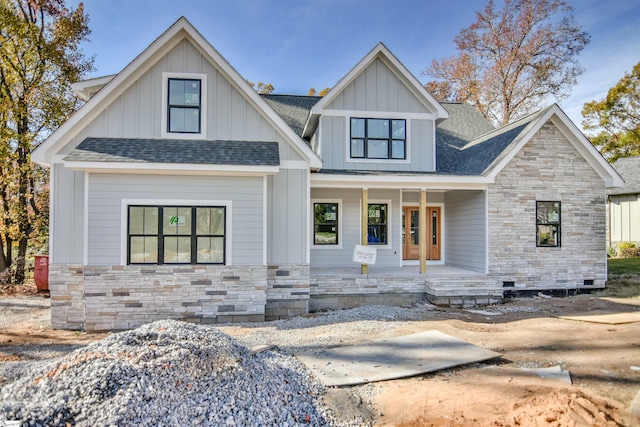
<point>298,44</point>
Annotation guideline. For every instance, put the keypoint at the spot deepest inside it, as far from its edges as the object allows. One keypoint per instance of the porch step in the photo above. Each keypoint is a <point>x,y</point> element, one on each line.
<point>463,291</point>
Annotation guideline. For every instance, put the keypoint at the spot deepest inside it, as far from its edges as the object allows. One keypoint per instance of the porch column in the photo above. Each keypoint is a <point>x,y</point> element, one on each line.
<point>423,231</point>
<point>365,224</point>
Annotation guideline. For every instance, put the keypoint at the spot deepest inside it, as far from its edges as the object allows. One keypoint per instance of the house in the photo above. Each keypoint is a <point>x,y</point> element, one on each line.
<point>179,192</point>
<point>623,204</point>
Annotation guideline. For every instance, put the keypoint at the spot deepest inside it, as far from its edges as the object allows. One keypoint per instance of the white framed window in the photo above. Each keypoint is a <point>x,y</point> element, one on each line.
<point>379,223</point>
<point>184,106</point>
<point>326,223</point>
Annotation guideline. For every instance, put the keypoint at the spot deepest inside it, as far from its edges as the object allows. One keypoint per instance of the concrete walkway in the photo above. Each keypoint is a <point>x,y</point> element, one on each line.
<point>392,358</point>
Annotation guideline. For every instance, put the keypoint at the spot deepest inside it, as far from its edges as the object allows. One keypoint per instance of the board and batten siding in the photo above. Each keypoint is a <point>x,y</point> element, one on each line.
<point>67,216</point>
<point>287,214</point>
<point>624,218</point>
<point>377,88</point>
<point>351,213</point>
<point>107,191</point>
<point>465,229</point>
<point>137,113</point>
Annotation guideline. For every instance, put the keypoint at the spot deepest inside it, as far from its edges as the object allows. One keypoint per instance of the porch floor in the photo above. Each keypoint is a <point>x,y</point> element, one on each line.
<point>412,271</point>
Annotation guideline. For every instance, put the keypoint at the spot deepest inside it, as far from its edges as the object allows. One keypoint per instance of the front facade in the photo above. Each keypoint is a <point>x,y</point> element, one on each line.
<point>179,192</point>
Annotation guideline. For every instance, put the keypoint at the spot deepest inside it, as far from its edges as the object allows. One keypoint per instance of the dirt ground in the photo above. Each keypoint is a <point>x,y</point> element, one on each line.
<point>602,359</point>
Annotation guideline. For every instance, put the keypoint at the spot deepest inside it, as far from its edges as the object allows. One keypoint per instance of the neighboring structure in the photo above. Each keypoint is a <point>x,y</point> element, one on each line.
<point>179,192</point>
<point>623,204</point>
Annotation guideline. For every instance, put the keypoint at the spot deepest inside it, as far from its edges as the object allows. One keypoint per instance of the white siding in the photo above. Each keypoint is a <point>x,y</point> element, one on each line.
<point>351,214</point>
<point>465,230</point>
<point>624,217</point>
<point>105,208</point>
<point>137,113</point>
<point>288,211</point>
<point>67,217</point>
<point>377,88</point>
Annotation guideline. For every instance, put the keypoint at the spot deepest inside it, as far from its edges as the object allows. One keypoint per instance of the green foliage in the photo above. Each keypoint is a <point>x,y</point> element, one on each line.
<point>39,59</point>
<point>616,119</point>
<point>619,266</point>
<point>512,60</point>
<point>626,245</point>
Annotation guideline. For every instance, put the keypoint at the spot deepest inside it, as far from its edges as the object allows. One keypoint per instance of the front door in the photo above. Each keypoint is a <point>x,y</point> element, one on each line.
<point>411,233</point>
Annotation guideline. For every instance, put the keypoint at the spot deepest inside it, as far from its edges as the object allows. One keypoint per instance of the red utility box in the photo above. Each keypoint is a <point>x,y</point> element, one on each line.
<point>41,272</point>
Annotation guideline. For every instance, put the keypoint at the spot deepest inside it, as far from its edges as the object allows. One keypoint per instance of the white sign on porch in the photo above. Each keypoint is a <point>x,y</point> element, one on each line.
<point>364,254</point>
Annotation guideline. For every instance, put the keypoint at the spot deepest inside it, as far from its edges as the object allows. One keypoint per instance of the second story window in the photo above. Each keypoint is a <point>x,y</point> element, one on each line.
<point>378,139</point>
<point>184,106</point>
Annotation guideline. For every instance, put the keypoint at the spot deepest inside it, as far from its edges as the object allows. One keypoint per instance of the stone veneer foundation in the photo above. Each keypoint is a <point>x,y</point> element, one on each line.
<point>548,168</point>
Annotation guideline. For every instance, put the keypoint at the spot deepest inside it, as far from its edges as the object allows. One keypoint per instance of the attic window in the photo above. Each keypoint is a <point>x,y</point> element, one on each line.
<point>184,106</point>
<point>378,139</point>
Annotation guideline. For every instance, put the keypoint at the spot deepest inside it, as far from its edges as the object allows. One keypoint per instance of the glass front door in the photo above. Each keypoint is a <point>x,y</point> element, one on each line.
<point>411,233</point>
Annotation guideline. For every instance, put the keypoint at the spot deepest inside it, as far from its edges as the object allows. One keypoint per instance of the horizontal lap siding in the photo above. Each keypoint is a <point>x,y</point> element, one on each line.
<point>465,231</point>
<point>351,214</point>
<point>107,191</point>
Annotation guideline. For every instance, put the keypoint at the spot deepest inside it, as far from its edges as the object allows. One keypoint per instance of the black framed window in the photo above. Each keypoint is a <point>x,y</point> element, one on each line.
<point>184,105</point>
<point>378,139</point>
<point>176,235</point>
<point>377,225</point>
<point>548,223</point>
<point>325,224</point>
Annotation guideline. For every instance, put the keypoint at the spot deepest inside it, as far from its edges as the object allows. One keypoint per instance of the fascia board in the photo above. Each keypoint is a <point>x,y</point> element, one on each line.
<point>400,181</point>
<point>171,168</point>
<point>84,88</point>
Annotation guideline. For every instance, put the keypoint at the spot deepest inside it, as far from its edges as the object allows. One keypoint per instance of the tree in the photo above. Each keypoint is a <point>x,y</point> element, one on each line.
<point>617,117</point>
<point>262,88</point>
<point>323,92</point>
<point>39,59</point>
<point>512,60</point>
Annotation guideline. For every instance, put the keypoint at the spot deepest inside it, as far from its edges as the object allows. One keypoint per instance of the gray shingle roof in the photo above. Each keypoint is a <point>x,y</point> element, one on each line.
<point>294,109</point>
<point>629,169</point>
<point>245,153</point>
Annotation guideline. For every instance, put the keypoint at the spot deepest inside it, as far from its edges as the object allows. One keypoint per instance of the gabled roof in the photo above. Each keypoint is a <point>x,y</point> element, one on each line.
<point>383,53</point>
<point>128,150</point>
<point>180,30</point>
<point>488,154</point>
<point>294,109</point>
<point>629,169</point>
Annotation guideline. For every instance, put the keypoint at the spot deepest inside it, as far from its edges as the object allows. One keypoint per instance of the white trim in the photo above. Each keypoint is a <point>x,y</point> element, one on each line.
<point>312,223</point>
<point>401,204</point>
<point>264,220</point>
<point>172,168</point>
<point>434,165</point>
<point>294,164</point>
<point>308,228</point>
<point>486,230</point>
<point>389,244</point>
<point>365,114</point>
<point>58,159</point>
<point>440,182</point>
<point>165,104</point>
<point>228,232</point>
<point>52,217</point>
<point>85,89</point>
<point>85,225</point>
<point>407,144</point>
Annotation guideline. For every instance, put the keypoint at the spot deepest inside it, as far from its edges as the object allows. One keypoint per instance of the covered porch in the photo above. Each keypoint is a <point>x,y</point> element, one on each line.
<point>444,285</point>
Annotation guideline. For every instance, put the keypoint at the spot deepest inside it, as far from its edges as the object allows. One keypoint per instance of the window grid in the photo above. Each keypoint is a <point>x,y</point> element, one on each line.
<point>367,142</point>
<point>548,224</point>
<point>183,106</point>
<point>193,235</point>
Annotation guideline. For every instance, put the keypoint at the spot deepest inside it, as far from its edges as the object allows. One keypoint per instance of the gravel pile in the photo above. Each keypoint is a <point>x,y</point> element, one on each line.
<point>165,373</point>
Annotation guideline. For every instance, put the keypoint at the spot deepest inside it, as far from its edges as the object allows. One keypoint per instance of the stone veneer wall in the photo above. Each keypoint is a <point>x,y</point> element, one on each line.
<point>97,298</point>
<point>548,168</point>
<point>335,292</point>
<point>287,291</point>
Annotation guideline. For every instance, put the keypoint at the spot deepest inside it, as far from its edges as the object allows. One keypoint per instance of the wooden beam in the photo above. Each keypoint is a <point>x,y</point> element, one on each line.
<point>365,224</point>
<point>422,224</point>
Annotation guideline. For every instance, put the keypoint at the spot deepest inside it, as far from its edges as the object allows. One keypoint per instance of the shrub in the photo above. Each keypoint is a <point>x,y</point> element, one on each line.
<point>626,245</point>
<point>630,252</point>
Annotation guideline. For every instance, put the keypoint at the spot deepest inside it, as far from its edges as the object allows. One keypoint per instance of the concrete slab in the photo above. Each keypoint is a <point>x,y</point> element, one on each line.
<point>391,358</point>
<point>607,317</point>
<point>554,373</point>
<point>634,408</point>
<point>485,312</point>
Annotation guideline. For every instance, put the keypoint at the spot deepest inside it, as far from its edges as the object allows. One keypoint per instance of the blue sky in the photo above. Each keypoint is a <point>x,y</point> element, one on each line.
<point>298,44</point>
